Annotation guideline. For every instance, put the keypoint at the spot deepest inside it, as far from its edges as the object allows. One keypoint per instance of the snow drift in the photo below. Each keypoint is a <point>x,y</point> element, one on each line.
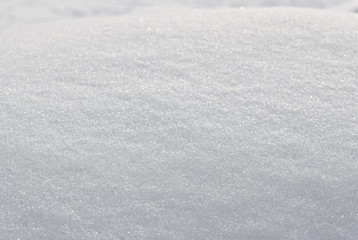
<point>220,124</point>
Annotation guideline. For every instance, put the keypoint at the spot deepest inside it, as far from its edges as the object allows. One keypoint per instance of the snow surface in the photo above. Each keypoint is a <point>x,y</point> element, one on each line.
<point>30,11</point>
<point>205,124</point>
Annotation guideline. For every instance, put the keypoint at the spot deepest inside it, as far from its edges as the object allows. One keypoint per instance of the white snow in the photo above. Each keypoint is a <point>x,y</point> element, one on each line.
<point>351,6</point>
<point>205,124</point>
<point>34,11</point>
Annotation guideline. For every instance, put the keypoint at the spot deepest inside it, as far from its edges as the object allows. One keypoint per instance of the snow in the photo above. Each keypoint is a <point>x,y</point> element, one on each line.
<point>204,124</point>
<point>351,6</point>
<point>34,11</point>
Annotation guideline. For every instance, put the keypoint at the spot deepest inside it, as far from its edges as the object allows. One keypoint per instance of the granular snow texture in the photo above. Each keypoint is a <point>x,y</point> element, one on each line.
<point>215,124</point>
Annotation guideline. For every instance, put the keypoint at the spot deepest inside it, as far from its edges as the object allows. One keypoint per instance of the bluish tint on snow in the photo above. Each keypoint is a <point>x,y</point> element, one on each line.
<point>216,124</point>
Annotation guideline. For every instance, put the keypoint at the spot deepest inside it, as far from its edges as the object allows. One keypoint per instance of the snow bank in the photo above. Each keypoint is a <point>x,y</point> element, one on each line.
<point>225,124</point>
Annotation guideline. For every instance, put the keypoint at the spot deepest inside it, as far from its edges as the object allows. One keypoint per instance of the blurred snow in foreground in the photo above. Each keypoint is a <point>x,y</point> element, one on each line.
<point>29,11</point>
<point>215,124</point>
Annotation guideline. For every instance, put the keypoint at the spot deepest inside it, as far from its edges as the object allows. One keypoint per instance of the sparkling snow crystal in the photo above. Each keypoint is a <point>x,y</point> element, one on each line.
<point>205,124</point>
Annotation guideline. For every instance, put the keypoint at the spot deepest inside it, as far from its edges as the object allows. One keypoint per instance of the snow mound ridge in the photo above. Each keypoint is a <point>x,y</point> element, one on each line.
<point>220,124</point>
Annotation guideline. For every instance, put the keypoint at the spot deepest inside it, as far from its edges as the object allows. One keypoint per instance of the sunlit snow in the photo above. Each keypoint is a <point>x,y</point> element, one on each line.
<point>204,124</point>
